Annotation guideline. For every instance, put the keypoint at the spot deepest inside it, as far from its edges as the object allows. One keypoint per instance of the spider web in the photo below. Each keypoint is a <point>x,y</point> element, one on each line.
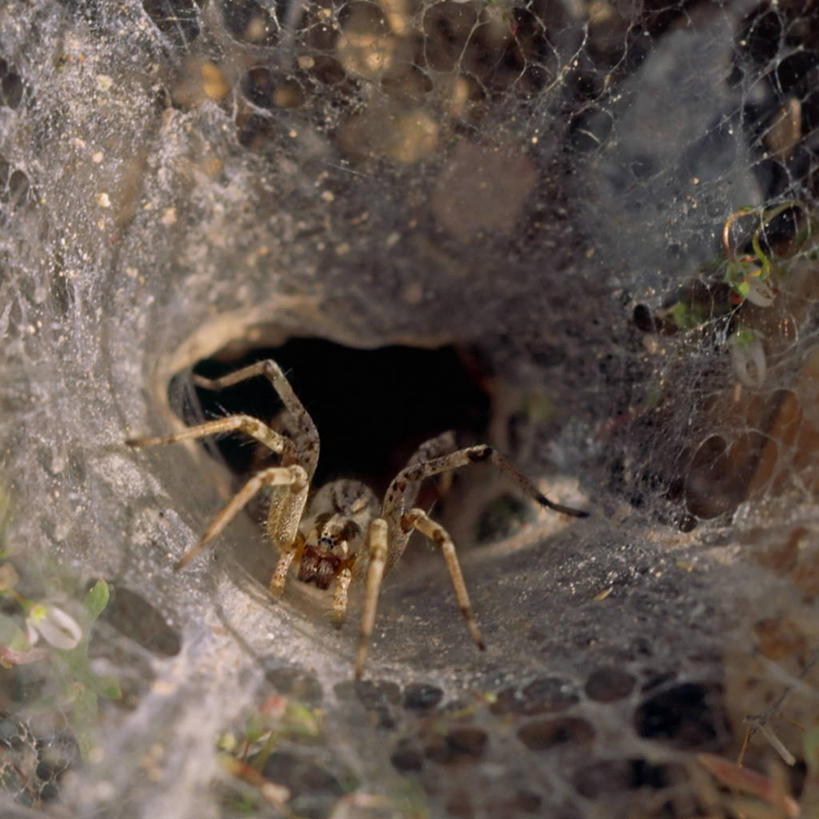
<point>615,203</point>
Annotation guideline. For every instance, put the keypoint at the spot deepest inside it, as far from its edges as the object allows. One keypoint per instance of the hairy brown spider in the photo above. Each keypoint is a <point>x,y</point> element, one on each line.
<point>341,533</point>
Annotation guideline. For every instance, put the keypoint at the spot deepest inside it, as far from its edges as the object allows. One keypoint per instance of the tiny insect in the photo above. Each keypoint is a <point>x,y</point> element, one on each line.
<point>340,532</point>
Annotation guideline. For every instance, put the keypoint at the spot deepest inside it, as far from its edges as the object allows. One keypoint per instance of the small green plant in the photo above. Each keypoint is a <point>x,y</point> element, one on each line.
<point>733,280</point>
<point>244,756</point>
<point>752,277</point>
<point>39,631</point>
<point>80,688</point>
<point>276,719</point>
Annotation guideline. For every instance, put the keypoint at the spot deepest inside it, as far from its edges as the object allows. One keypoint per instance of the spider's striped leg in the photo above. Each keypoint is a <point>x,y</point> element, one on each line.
<point>293,476</point>
<point>306,434</point>
<point>418,519</point>
<point>375,572</point>
<point>414,519</point>
<point>481,453</point>
<point>343,580</point>
<point>403,489</point>
<point>234,423</point>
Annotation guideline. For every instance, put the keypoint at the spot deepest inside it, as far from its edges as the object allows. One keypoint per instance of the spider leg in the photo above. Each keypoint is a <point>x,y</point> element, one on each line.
<point>434,447</point>
<point>418,519</point>
<point>293,476</point>
<point>299,457</point>
<point>234,423</point>
<point>375,572</point>
<point>286,557</point>
<point>405,482</point>
<point>343,580</point>
<point>307,438</point>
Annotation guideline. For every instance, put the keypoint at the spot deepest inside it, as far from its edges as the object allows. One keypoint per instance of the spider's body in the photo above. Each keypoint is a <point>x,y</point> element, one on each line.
<point>334,530</point>
<point>340,532</point>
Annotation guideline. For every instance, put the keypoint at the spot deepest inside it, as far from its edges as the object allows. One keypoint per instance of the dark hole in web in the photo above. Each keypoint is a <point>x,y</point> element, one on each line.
<point>372,408</point>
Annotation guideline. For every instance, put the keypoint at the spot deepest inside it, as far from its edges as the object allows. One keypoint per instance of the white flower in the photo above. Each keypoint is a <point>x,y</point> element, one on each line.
<point>56,627</point>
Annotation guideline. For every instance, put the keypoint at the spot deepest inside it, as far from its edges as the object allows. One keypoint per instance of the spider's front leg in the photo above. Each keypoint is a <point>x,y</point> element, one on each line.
<point>375,572</point>
<point>247,424</point>
<point>291,479</point>
<point>343,580</point>
<point>403,489</point>
<point>434,532</point>
<point>397,523</point>
<point>293,476</point>
<point>306,439</point>
<point>379,533</point>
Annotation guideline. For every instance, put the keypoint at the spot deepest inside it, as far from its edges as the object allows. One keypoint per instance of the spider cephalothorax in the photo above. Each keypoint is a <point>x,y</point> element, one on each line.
<point>340,532</point>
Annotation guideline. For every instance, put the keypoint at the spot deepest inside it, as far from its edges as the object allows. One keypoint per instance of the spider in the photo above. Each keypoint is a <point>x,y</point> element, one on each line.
<point>341,532</point>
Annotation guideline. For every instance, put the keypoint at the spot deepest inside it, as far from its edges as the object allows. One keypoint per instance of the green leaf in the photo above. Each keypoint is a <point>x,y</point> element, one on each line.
<point>684,316</point>
<point>97,599</point>
<point>108,687</point>
<point>302,720</point>
<point>742,289</point>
